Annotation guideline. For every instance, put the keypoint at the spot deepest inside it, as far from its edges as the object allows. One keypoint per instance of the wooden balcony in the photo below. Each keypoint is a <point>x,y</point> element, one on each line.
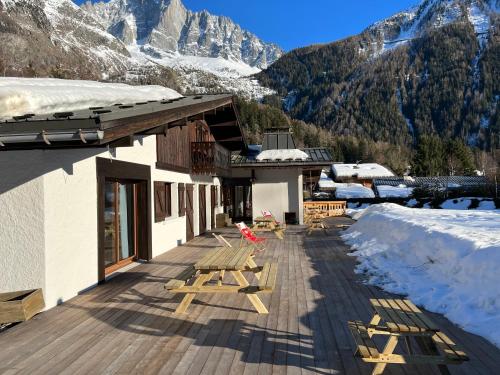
<point>210,158</point>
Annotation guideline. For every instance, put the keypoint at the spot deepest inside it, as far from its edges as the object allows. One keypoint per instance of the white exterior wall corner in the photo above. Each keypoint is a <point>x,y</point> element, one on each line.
<point>22,261</point>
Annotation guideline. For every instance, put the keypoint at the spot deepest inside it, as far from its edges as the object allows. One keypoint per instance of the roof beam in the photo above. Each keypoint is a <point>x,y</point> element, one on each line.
<point>232,139</point>
<point>226,124</point>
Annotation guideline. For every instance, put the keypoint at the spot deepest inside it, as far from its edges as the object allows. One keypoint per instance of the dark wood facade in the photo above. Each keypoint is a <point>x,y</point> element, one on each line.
<point>191,148</point>
<point>189,212</point>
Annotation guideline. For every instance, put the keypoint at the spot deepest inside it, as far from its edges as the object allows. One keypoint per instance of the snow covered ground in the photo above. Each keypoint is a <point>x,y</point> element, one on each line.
<point>19,96</point>
<point>444,260</point>
<point>197,72</point>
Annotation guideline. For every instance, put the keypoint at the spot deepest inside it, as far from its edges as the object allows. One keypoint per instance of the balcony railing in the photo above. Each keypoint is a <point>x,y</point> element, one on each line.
<point>210,158</point>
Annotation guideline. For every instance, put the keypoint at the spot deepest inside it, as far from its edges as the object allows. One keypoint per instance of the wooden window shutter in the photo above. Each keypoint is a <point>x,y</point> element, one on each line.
<point>168,200</point>
<point>182,203</point>
<point>160,204</point>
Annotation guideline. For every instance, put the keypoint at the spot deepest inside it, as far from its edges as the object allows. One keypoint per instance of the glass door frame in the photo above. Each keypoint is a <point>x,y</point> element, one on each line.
<point>117,238</point>
<point>109,169</point>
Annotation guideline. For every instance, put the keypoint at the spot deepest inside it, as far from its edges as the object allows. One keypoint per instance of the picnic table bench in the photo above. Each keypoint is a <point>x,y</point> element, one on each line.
<point>267,224</point>
<point>220,261</point>
<point>315,220</point>
<point>401,319</point>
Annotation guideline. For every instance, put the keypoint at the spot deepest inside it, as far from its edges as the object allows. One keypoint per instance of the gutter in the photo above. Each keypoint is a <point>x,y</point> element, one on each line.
<point>48,137</point>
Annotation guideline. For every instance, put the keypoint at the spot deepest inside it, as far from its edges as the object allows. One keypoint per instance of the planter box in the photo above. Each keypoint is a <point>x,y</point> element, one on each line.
<point>20,306</point>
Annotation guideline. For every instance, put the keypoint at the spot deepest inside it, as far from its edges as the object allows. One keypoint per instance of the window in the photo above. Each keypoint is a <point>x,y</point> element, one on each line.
<point>163,200</point>
<point>181,191</point>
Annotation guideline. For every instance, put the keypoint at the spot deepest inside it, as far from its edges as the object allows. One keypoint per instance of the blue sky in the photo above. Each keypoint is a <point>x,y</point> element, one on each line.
<point>294,23</point>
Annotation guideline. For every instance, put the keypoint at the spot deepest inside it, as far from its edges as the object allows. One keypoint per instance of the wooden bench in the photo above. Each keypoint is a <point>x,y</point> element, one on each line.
<point>366,347</point>
<point>180,280</point>
<point>268,275</point>
<point>367,350</point>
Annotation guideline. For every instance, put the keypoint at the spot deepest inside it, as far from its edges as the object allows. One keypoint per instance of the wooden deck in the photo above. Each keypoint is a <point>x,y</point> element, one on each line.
<point>128,326</point>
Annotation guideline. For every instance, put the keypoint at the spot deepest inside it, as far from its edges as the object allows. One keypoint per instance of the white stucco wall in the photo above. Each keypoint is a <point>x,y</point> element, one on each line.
<point>48,217</point>
<point>279,191</point>
<point>22,262</point>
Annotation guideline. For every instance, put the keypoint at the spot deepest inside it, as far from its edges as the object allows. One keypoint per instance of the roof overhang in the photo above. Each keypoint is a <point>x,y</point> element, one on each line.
<point>97,127</point>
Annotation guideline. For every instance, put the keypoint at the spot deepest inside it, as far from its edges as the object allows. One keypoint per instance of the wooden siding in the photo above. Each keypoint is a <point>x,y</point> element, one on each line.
<point>127,325</point>
<point>173,149</point>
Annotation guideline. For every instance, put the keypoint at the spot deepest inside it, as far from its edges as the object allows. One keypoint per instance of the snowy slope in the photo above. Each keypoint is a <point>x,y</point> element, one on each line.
<point>19,96</point>
<point>446,261</point>
<point>430,14</point>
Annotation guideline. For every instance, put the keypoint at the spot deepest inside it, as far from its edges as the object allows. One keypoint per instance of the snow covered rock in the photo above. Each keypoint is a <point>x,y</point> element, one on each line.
<point>445,260</point>
<point>352,191</point>
<point>43,96</point>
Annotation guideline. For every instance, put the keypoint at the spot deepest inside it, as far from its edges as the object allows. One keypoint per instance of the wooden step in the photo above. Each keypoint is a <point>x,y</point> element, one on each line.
<point>268,275</point>
<point>180,280</point>
<point>366,347</point>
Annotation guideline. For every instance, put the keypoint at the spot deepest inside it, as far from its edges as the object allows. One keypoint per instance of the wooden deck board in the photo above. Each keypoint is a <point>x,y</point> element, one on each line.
<point>127,325</point>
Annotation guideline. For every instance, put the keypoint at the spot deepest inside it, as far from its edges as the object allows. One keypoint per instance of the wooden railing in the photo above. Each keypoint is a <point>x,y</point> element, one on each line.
<point>332,208</point>
<point>210,158</point>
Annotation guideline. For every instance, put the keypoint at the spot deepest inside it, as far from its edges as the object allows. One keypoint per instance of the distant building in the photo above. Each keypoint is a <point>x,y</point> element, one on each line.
<point>273,176</point>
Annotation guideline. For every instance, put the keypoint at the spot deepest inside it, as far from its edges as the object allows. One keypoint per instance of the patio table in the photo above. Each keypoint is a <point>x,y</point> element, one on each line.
<point>235,261</point>
<point>395,319</point>
<point>267,224</point>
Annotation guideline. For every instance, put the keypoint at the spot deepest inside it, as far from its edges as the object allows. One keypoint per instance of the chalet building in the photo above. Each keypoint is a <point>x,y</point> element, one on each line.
<point>273,177</point>
<point>85,193</point>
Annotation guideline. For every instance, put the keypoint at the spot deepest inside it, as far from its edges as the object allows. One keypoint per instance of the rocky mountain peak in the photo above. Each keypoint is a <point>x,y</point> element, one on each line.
<point>167,25</point>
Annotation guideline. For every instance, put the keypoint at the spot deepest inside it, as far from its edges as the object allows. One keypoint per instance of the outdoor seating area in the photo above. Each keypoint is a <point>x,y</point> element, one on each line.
<point>192,311</point>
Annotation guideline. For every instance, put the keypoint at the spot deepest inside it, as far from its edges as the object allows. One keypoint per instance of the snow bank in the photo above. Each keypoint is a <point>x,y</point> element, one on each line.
<point>46,95</point>
<point>293,154</point>
<point>367,170</point>
<point>445,260</point>
<point>351,191</point>
<point>401,191</point>
<point>465,203</point>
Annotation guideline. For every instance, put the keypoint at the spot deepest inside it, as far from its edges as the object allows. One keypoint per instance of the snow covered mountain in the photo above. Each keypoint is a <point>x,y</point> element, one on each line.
<point>139,41</point>
<point>433,14</point>
<point>430,70</point>
<point>209,53</point>
<point>56,37</point>
<point>168,26</point>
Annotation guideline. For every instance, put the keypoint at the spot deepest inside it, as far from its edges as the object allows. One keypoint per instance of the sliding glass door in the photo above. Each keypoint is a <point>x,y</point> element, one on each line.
<point>120,224</point>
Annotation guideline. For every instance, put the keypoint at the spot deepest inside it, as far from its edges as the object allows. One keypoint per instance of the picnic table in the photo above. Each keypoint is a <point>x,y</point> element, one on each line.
<point>268,224</point>
<point>316,221</point>
<point>400,319</point>
<point>218,262</point>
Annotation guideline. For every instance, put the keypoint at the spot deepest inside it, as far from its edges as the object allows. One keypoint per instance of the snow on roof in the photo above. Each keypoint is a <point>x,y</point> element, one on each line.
<point>349,191</point>
<point>19,96</point>
<point>367,170</point>
<point>326,183</point>
<point>292,154</point>
<point>401,191</point>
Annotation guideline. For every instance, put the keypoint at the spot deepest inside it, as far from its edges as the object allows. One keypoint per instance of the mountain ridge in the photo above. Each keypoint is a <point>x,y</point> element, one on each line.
<point>442,78</point>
